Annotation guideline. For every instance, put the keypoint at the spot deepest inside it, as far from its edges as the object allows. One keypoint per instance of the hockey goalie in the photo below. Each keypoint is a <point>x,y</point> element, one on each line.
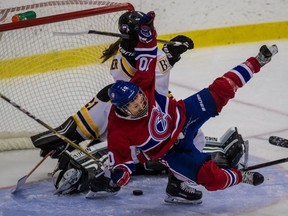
<point>75,172</point>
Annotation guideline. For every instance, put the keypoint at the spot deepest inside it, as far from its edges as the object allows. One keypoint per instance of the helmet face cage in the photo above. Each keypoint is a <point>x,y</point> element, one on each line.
<point>141,113</point>
<point>129,22</point>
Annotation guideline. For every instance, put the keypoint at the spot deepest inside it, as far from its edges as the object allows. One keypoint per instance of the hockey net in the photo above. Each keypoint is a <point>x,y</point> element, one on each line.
<point>52,76</point>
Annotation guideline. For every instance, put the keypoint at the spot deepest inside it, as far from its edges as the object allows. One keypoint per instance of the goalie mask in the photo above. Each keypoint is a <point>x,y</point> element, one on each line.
<point>129,99</point>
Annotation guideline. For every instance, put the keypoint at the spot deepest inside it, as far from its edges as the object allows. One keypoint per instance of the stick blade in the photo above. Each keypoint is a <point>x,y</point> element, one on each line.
<point>99,194</point>
<point>20,184</point>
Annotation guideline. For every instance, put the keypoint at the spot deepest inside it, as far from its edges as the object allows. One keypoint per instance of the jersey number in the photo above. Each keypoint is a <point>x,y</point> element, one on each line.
<point>144,64</point>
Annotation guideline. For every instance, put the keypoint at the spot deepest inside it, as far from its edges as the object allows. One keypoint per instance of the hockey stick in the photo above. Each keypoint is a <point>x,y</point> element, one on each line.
<point>278,141</point>
<point>270,163</point>
<point>175,43</point>
<point>22,180</point>
<point>49,128</point>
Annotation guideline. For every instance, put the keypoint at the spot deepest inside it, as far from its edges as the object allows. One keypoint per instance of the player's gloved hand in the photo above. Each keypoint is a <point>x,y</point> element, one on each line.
<point>120,175</point>
<point>173,52</point>
<point>146,29</point>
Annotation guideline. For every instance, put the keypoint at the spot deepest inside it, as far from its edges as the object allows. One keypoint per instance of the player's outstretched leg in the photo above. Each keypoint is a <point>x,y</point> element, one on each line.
<point>181,192</point>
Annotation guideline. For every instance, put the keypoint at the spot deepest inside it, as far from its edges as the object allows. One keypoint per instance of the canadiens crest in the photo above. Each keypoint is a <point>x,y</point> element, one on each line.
<point>159,124</point>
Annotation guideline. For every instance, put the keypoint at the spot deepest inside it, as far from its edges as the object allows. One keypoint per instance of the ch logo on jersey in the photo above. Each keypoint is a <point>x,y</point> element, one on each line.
<point>159,124</point>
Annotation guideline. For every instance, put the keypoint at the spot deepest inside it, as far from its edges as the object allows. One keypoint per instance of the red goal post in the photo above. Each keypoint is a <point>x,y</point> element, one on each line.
<point>52,76</point>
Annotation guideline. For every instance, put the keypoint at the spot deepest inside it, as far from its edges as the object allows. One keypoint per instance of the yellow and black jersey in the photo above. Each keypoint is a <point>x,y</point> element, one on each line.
<point>121,69</point>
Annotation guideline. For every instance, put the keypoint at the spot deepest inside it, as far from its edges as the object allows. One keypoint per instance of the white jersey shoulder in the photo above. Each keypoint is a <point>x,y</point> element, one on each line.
<point>92,118</point>
<point>121,69</point>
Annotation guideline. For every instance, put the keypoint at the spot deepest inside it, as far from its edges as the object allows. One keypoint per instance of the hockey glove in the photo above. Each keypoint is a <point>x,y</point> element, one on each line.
<point>120,175</point>
<point>173,52</point>
<point>146,28</point>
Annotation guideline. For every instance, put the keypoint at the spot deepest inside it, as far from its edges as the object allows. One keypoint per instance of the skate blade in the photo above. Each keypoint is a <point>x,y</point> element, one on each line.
<point>171,199</point>
<point>99,194</point>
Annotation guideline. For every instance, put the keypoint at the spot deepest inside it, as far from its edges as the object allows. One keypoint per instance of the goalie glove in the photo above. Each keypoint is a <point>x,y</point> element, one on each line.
<point>173,52</point>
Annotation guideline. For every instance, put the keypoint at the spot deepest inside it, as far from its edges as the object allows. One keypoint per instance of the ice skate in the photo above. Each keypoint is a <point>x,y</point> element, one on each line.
<point>265,54</point>
<point>182,192</point>
<point>252,178</point>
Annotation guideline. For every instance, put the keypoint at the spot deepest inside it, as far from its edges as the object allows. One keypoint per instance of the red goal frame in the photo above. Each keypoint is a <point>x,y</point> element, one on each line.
<point>66,16</point>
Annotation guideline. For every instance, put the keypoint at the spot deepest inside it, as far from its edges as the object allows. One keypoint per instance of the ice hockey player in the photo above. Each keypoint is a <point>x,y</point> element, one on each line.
<point>81,129</point>
<point>90,122</point>
<point>75,170</point>
<point>168,126</point>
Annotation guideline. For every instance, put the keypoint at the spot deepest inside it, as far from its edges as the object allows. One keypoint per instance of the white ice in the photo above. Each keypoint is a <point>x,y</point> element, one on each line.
<point>259,110</point>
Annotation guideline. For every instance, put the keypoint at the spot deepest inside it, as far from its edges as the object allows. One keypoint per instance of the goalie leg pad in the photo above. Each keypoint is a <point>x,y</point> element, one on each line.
<point>67,181</point>
<point>74,178</point>
<point>220,159</point>
<point>235,152</point>
<point>77,160</point>
<point>48,141</point>
<point>228,150</point>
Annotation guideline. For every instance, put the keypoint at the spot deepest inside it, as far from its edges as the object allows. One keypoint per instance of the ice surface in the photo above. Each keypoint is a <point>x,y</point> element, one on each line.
<point>259,110</point>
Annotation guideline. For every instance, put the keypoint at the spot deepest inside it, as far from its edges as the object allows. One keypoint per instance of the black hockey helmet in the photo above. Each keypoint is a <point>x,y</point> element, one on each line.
<point>129,22</point>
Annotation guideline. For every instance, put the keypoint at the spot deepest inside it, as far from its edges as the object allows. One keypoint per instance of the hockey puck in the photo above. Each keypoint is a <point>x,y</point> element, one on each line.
<point>137,192</point>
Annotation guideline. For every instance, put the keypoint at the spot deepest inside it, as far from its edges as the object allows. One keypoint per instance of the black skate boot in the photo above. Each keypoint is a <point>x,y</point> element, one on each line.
<point>265,54</point>
<point>181,192</point>
<point>278,141</point>
<point>252,178</point>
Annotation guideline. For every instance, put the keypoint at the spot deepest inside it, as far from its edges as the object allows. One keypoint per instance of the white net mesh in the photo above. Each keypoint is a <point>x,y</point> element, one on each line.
<point>52,76</point>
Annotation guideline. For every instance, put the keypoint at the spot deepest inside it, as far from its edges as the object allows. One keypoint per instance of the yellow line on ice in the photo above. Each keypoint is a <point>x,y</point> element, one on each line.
<point>56,61</point>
